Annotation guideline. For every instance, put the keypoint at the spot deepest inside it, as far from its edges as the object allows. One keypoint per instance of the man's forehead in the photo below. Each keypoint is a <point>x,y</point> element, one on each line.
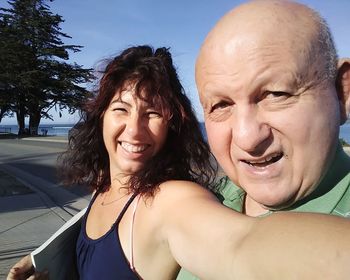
<point>254,58</point>
<point>234,57</point>
<point>280,22</point>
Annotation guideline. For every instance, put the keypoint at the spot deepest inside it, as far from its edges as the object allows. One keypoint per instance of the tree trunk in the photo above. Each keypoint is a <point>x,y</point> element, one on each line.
<point>34,121</point>
<point>20,121</point>
<point>2,112</point>
<point>20,114</point>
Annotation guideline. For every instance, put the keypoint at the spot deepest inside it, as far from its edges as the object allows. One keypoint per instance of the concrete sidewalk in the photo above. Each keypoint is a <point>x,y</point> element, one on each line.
<point>30,213</point>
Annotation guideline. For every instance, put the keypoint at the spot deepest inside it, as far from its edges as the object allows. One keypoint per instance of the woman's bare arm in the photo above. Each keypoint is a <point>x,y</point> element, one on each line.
<point>296,246</point>
<point>215,242</point>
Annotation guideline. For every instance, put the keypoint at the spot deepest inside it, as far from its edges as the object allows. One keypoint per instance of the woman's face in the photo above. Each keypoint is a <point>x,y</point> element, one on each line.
<point>133,132</point>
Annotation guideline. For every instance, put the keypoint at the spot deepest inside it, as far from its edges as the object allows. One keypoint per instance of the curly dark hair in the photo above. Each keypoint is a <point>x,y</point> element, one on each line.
<point>185,154</point>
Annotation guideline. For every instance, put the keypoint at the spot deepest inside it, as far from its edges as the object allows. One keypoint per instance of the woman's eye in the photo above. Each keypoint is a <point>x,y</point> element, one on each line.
<point>154,114</point>
<point>119,109</point>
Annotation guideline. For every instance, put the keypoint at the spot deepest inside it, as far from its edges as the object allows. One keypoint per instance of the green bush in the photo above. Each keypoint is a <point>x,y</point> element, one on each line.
<point>344,143</point>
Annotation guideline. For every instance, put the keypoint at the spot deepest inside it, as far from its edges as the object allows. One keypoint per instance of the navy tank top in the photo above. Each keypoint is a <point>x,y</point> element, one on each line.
<point>103,258</point>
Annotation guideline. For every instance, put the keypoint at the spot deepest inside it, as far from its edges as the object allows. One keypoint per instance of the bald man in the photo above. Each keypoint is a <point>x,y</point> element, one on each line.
<point>274,97</point>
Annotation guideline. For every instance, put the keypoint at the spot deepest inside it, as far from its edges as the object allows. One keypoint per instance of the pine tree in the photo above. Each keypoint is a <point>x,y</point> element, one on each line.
<point>34,73</point>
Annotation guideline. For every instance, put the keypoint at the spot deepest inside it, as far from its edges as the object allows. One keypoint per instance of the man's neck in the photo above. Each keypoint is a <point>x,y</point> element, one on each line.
<point>253,208</point>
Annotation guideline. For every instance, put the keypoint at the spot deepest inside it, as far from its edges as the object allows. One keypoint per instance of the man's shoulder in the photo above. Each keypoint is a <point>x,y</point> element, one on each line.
<point>230,194</point>
<point>342,207</point>
<point>186,275</point>
<point>332,195</point>
<point>340,192</point>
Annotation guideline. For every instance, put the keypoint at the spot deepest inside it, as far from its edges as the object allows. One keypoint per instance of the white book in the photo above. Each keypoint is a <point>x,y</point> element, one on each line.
<point>57,254</point>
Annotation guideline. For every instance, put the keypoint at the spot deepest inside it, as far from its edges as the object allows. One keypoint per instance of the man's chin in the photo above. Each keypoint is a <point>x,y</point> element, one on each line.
<point>271,204</point>
<point>278,204</point>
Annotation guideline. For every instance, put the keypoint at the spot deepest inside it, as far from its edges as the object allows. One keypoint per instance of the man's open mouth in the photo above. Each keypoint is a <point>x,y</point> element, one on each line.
<point>266,161</point>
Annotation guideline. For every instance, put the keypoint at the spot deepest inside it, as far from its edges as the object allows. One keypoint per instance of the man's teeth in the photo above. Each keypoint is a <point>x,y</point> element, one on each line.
<point>133,148</point>
<point>268,159</point>
<point>262,160</point>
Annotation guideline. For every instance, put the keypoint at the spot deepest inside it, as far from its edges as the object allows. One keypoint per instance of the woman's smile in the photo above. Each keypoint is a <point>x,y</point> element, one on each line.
<point>133,148</point>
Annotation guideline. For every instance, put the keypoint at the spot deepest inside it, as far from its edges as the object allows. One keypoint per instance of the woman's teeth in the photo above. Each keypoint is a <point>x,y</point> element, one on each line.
<point>133,148</point>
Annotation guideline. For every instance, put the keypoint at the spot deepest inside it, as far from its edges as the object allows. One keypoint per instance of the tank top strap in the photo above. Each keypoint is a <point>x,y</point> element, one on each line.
<point>132,234</point>
<point>92,200</point>
<point>126,206</point>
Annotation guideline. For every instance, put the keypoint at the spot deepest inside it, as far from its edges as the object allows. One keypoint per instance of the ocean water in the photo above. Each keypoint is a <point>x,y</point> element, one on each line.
<point>63,130</point>
<point>50,129</point>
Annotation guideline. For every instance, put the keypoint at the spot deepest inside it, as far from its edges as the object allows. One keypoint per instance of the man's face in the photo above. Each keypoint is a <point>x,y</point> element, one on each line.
<point>271,125</point>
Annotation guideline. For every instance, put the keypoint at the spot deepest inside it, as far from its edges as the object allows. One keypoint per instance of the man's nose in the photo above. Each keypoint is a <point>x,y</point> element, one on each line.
<point>249,130</point>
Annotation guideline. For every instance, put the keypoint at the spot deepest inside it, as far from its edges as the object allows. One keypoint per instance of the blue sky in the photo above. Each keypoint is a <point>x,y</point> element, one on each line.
<point>105,27</point>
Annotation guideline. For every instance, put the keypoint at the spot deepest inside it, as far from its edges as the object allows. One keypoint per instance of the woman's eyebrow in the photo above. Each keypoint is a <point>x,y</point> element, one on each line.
<point>120,101</point>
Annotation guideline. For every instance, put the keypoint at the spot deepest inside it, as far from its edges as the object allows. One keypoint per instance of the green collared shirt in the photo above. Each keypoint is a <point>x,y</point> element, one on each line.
<point>332,196</point>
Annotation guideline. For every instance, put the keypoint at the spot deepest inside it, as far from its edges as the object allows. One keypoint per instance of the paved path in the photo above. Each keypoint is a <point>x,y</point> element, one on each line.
<point>32,203</point>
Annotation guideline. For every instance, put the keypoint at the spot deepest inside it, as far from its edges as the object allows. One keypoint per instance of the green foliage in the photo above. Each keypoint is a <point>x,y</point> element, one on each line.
<point>344,143</point>
<point>34,74</point>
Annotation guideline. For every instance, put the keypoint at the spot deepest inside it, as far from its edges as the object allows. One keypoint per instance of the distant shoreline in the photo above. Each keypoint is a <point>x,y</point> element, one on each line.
<point>62,129</point>
<point>54,129</point>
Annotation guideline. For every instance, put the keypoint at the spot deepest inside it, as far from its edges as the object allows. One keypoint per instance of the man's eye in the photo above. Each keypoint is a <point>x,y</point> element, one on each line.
<point>220,111</point>
<point>276,94</point>
<point>219,106</point>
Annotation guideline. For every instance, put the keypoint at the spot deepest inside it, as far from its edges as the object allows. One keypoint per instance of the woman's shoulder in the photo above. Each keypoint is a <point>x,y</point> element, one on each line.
<point>176,196</point>
<point>182,190</point>
<point>180,184</point>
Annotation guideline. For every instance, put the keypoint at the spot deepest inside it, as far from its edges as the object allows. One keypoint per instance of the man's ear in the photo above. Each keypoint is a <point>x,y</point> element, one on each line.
<point>343,88</point>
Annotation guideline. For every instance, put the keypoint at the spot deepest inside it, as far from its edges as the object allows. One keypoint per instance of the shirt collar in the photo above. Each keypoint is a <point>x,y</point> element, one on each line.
<point>331,189</point>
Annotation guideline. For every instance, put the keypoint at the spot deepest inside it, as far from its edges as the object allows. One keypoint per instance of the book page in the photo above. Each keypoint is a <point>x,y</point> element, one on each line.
<point>57,254</point>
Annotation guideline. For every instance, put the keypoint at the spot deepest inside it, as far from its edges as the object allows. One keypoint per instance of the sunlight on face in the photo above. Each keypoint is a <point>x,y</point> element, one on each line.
<point>272,135</point>
<point>133,132</point>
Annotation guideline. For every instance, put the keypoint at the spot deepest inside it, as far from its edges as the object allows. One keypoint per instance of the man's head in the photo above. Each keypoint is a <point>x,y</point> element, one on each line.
<point>267,76</point>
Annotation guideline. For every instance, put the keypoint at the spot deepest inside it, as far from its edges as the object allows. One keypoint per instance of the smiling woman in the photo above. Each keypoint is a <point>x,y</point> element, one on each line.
<point>139,101</point>
<point>133,131</point>
<point>137,133</point>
